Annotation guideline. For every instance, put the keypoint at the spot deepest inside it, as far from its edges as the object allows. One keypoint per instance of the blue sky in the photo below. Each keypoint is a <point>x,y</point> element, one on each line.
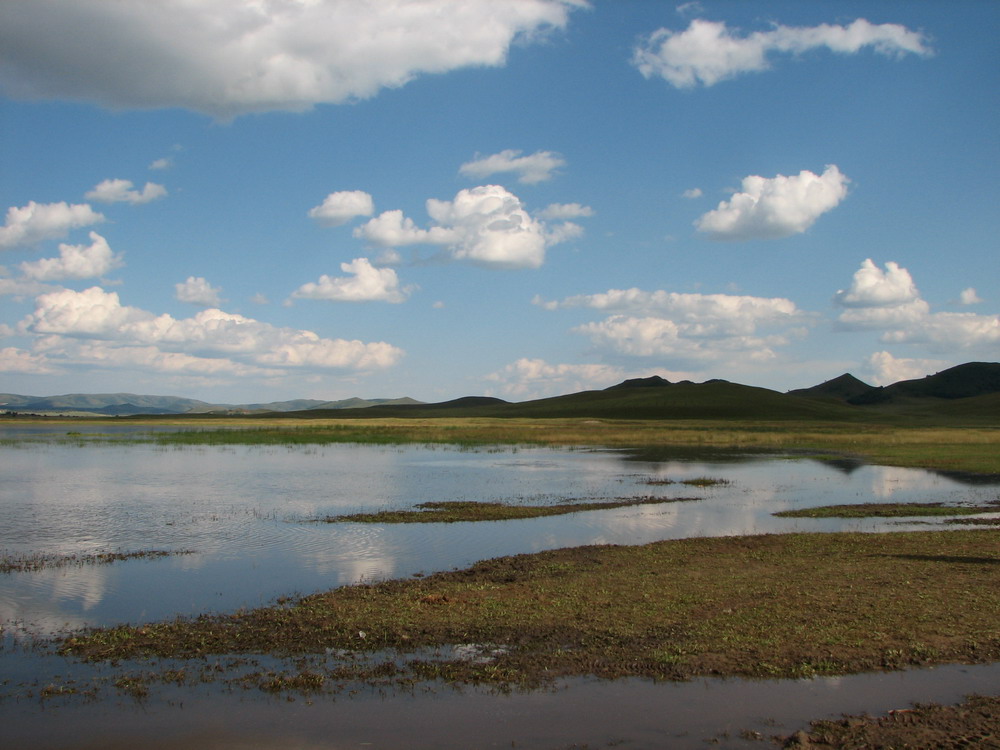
<point>246,201</point>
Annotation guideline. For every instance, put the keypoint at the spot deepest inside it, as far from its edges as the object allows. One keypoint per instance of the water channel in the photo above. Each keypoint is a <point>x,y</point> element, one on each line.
<point>247,518</point>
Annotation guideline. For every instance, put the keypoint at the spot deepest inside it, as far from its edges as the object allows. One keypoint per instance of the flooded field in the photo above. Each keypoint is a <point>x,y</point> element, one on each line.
<point>244,519</point>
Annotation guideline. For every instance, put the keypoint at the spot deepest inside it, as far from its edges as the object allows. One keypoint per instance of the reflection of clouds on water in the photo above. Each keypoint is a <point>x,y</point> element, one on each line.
<point>889,481</point>
<point>85,584</point>
<point>243,510</point>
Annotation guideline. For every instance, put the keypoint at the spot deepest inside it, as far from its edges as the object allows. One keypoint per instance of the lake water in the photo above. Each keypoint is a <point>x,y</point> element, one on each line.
<point>247,515</point>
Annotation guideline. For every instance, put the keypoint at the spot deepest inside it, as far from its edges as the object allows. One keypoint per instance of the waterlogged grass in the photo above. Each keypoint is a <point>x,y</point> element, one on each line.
<point>695,482</point>
<point>790,605</point>
<point>889,510</point>
<point>972,449</point>
<point>456,511</point>
<point>19,563</point>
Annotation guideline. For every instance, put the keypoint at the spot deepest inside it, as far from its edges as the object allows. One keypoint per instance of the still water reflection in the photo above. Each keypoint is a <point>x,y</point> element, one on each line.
<point>248,514</point>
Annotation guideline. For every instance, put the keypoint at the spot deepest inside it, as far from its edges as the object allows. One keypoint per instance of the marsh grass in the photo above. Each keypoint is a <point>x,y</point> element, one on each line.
<point>791,605</point>
<point>973,449</point>
<point>19,563</point>
<point>456,511</point>
<point>889,510</point>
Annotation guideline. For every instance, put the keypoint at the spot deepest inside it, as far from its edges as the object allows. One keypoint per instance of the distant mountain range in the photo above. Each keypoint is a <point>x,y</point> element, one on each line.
<point>124,404</point>
<point>968,393</point>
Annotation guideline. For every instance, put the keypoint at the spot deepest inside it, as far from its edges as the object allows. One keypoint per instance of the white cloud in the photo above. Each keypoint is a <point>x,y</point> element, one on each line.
<point>969,297</point>
<point>367,284</point>
<point>197,291</point>
<point>695,315</point>
<point>537,167</point>
<point>770,208</point>
<point>486,225</point>
<point>887,369</point>
<point>24,362</point>
<point>231,57</point>
<point>340,207</point>
<point>36,222</point>
<point>75,262</point>
<point>98,317</point>
<point>889,302</point>
<point>123,191</point>
<point>708,52</point>
<point>164,163</point>
<point>565,211</point>
<point>536,378</point>
<point>646,337</point>
<point>872,287</point>
<point>22,288</point>
<point>688,330</point>
<point>692,193</point>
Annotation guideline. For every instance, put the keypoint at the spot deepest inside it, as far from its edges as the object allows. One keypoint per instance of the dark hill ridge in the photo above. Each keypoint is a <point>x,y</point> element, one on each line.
<point>969,393</point>
<point>962,381</point>
<point>844,388</point>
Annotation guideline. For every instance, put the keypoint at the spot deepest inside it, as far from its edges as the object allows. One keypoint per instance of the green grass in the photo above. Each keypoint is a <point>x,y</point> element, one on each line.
<point>455,511</point>
<point>889,510</point>
<point>791,605</point>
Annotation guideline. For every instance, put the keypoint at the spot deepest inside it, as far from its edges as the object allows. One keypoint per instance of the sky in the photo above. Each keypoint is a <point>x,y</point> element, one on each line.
<point>246,201</point>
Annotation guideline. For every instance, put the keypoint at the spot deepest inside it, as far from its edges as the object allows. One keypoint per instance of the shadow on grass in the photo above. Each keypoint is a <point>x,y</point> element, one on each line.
<point>949,559</point>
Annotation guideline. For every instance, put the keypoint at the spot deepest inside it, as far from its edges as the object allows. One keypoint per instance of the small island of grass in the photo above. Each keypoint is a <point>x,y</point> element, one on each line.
<point>888,510</point>
<point>20,563</point>
<point>456,511</point>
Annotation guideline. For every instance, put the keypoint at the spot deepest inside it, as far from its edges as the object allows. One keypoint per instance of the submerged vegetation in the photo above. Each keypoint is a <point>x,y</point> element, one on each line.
<point>889,510</point>
<point>454,511</point>
<point>19,563</point>
<point>741,606</point>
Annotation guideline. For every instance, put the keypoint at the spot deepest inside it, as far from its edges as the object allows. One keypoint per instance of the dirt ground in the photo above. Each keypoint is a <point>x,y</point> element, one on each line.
<point>974,724</point>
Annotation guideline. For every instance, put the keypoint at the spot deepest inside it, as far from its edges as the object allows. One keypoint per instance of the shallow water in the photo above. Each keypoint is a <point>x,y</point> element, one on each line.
<point>247,514</point>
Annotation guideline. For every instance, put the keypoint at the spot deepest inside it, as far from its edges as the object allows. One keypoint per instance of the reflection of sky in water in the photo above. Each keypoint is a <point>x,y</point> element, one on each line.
<point>242,509</point>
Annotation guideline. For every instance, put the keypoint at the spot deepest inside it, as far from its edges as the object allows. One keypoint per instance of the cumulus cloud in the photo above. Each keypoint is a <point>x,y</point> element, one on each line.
<point>887,369</point>
<point>770,208</point>
<point>486,225</point>
<point>537,167</point>
<point>197,291</point>
<point>98,318</point>
<point>873,287</point>
<point>366,284</point>
<point>36,222</point>
<point>888,301</point>
<point>340,207</point>
<point>164,163</point>
<point>23,362</point>
<point>565,211</point>
<point>231,57</point>
<point>646,337</point>
<point>969,297</point>
<point>708,51</point>
<point>123,191</point>
<point>536,378</point>
<point>698,315</point>
<point>75,262</point>
<point>688,330</point>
